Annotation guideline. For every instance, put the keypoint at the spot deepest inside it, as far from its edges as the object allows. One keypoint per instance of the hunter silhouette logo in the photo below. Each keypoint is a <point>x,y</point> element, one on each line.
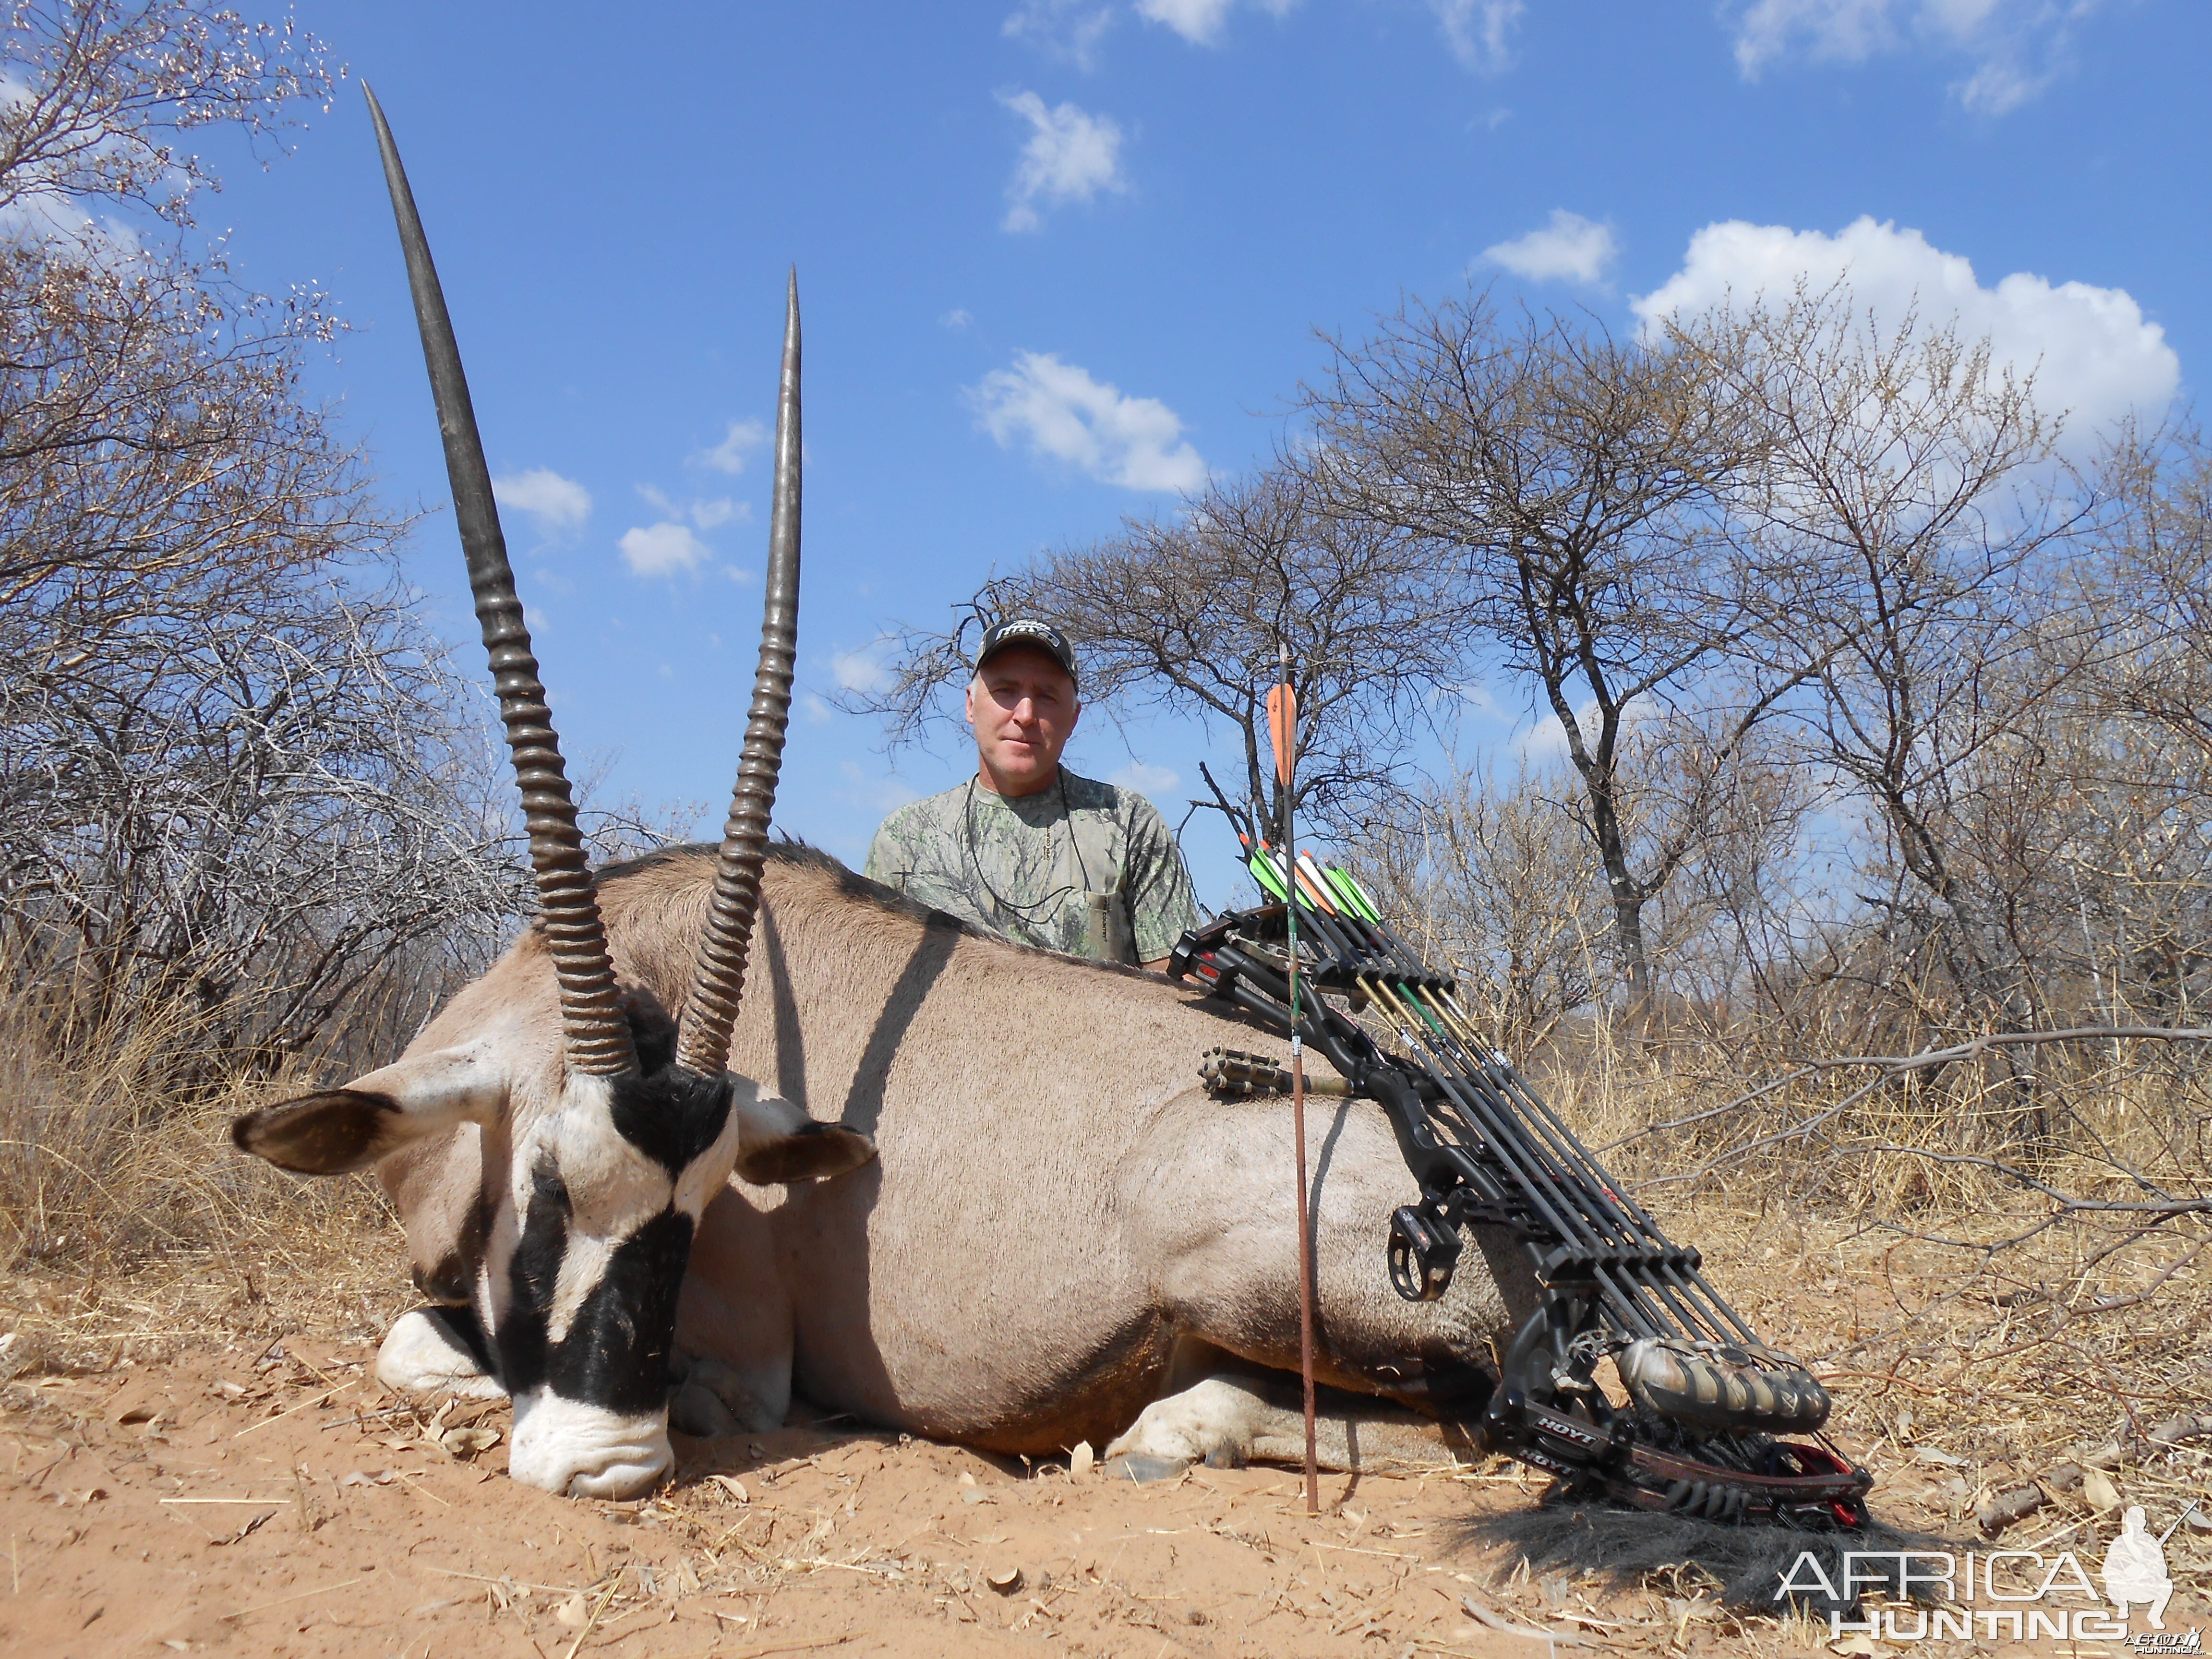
<point>2135,1569</point>
<point>2021,1595</point>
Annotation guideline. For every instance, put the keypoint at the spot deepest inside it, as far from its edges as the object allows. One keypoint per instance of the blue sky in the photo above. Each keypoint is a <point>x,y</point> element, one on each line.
<point>1057,260</point>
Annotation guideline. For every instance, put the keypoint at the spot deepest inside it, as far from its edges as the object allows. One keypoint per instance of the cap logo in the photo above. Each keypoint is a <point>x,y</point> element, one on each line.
<point>1023,630</point>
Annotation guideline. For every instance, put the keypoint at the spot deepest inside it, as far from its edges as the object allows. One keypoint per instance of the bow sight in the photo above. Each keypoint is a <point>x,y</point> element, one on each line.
<point>1698,1421</point>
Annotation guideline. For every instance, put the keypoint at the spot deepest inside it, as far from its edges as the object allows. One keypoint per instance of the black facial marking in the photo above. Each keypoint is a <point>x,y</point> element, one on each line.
<point>453,1280</point>
<point>532,1276</point>
<point>459,1329</point>
<point>671,1116</point>
<point>616,1351</point>
<point>652,1029</point>
<point>331,1133</point>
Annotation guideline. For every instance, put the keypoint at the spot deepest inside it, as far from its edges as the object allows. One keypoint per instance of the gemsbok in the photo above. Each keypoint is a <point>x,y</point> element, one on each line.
<point>1019,1224</point>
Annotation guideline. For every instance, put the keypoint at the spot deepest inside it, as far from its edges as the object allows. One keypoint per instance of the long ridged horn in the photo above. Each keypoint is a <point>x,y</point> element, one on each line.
<point>597,1036</point>
<point>703,1043</point>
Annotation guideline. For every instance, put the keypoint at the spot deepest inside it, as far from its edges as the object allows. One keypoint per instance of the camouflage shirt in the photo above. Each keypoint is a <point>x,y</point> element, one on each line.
<point>1083,867</point>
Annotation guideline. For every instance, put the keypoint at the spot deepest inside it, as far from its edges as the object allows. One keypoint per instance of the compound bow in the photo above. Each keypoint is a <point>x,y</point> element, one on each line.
<point>1715,1423</point>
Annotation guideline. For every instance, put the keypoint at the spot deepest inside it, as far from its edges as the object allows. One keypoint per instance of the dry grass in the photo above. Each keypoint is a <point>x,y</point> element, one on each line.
<point>111,1169</point>
<point>2015,1307</point>
<point>1954,1308</point>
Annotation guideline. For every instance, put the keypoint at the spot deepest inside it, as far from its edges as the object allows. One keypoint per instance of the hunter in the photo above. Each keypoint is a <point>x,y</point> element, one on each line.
<point>1027,849</point>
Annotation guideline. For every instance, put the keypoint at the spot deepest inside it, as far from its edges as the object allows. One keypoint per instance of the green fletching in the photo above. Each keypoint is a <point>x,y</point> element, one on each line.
<point>1341,884</point>
<point>1263,871</point>
<point>1368,907</point>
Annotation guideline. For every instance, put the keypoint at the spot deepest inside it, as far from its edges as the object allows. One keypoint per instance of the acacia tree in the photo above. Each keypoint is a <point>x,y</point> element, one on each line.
<point>1892,541</point>
<point>2140,867</point>
<point>1576,487</point>
<point>2154,575</point>
<point>1189,615</point>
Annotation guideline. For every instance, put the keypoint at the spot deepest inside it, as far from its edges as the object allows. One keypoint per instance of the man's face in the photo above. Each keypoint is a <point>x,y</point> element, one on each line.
<point>1022,704</point>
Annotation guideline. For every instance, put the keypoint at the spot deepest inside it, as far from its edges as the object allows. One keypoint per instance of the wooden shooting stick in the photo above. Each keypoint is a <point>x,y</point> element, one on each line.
<point>1282,731</point>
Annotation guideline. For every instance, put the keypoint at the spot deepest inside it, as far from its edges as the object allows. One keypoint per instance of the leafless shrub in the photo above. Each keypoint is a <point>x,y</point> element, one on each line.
<point>241,787</point>
<point>113,1143</point>
<point>1495,879</point>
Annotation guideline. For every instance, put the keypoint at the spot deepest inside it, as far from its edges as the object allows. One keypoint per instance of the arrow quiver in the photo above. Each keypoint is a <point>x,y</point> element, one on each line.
<point>1702,1418</point>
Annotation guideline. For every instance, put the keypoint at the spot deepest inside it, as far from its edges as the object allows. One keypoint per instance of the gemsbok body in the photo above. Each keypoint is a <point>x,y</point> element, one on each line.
<point>1062,1231</point>
<point>922,1176</point>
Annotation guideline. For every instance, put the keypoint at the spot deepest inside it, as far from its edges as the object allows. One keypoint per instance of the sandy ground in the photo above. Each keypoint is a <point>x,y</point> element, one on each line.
<point>212,1469</point>
<point>280,1502</point>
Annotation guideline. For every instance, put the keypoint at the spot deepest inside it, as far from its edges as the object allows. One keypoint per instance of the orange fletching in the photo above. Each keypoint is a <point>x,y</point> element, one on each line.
<point>1282,730</point>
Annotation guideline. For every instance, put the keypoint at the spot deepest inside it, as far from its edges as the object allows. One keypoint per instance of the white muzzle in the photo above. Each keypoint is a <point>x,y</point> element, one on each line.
<point>587,1451</point>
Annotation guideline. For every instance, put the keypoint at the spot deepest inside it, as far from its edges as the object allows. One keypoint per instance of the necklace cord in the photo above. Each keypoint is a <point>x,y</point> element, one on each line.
<point>1026,914</point>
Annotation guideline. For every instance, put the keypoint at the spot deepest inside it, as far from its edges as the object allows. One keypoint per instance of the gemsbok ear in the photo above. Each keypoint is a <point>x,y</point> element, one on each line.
<point>777,1142</point>
<point>336,1131</point>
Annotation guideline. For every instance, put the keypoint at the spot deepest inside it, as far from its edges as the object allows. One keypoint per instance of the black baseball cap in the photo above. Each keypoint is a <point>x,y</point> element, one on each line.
<point>1026,631</point>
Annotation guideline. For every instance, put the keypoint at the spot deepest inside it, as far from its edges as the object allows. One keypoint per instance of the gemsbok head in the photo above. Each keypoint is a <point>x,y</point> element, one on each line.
<point>594,1168</point>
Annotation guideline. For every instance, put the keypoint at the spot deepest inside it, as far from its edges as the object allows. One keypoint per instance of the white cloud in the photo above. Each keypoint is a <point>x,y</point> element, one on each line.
<point>1070,157</point>
<point>956,319</point>
<point>54,217</point>
<point>555,504</point>
<point>1480,32</point>
<point>1146,779</point>
<point>1069,30</point>
<point>1846,30</point>
<point>2099,356</point>
<point>2016,47</point>
<point>1570,246</point>
<point>1477,697</point>
<point>704,515</point>
<point>736,448</point>
<point>662,550</point>
<point>40,210</point>
<point>861,670</point>
<point>1546,740</point>
<point>815,710</point>
<point>1197,21</point>
<point>739,574</point>
<point>1059,411</point>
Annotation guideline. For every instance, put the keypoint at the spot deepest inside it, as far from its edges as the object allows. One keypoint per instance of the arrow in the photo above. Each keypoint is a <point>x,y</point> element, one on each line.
<point>1282,730</point>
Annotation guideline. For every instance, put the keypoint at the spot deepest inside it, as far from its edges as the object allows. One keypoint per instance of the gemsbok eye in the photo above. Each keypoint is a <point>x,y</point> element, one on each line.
<point>549,1192</point>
